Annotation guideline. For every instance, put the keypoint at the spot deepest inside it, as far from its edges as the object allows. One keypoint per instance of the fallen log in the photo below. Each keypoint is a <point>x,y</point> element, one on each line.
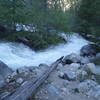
<point>25,91</point>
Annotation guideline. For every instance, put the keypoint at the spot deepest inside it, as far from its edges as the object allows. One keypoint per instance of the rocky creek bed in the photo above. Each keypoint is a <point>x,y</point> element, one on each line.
<point>76,78</point>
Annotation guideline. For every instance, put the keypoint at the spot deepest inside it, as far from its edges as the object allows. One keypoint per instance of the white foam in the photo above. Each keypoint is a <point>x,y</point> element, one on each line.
<point>17,55</point>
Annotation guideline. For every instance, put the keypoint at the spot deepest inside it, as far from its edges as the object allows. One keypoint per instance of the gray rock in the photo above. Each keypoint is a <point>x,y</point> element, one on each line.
<point>69,75</point>
<point>85,86</point>
<point>19,80</point>
<point>98,55</point>
<point>84,60</point>
<point>2,83</point>
<point>89,50</point>
<point>4,70</point>
<point>72,58</point>
<point>61,75</point>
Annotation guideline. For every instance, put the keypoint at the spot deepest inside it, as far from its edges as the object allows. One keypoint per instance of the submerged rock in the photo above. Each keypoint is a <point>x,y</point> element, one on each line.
<point>4,70</point>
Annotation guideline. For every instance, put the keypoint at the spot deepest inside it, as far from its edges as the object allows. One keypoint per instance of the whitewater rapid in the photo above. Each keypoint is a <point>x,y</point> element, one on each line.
<point>17,55</point>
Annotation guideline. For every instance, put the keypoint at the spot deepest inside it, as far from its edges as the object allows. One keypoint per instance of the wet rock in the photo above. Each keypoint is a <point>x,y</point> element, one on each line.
<point>72,58</point>
<point>89,50</point>
<point>85,86</point>
<point>19,80</point>
<point>94,92</point>
<point>4,70</point>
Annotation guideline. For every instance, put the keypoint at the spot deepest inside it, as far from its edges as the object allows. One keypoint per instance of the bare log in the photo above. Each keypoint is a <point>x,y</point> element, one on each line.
<point>26,91</point>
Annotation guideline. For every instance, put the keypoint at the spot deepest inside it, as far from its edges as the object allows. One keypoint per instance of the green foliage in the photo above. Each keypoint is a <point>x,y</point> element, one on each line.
<point>89,17</point>
<point>37,40</point>
<point>12,12</point>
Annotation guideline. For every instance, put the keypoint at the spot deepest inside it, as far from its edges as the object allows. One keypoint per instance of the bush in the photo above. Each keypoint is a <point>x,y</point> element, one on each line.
<point>37,40</point>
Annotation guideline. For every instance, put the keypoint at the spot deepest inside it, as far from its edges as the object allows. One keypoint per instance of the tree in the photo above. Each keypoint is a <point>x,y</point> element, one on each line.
<point>12,12</point>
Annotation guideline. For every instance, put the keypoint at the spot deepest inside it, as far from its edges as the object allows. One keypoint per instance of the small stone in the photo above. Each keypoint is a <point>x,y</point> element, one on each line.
<point>69,75</point>
<point>19,80</point>
<point>66,83</point>
<point>61,75</point>
<point>90,68</point>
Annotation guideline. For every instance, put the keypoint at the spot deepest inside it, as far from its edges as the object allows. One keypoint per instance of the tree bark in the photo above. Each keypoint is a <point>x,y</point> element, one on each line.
<point>25,92</point>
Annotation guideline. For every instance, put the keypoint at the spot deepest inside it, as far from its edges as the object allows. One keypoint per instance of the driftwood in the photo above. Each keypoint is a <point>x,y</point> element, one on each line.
<point>26,91</point>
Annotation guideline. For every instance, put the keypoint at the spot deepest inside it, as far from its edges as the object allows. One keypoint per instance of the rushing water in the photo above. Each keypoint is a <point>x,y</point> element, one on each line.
<point>17,55</point>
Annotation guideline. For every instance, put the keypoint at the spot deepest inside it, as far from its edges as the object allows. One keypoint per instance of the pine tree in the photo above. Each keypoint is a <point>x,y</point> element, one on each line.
<point>12,12</point>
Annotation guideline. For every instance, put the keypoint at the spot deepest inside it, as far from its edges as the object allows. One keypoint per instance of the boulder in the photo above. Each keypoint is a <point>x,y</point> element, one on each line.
<point>89,50</point>
<point>84,60</point>
<point>69,75</point>
<point>4,70</point>
<point>72,58</point>
<point>90,68</point>
<point>96,59</point>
